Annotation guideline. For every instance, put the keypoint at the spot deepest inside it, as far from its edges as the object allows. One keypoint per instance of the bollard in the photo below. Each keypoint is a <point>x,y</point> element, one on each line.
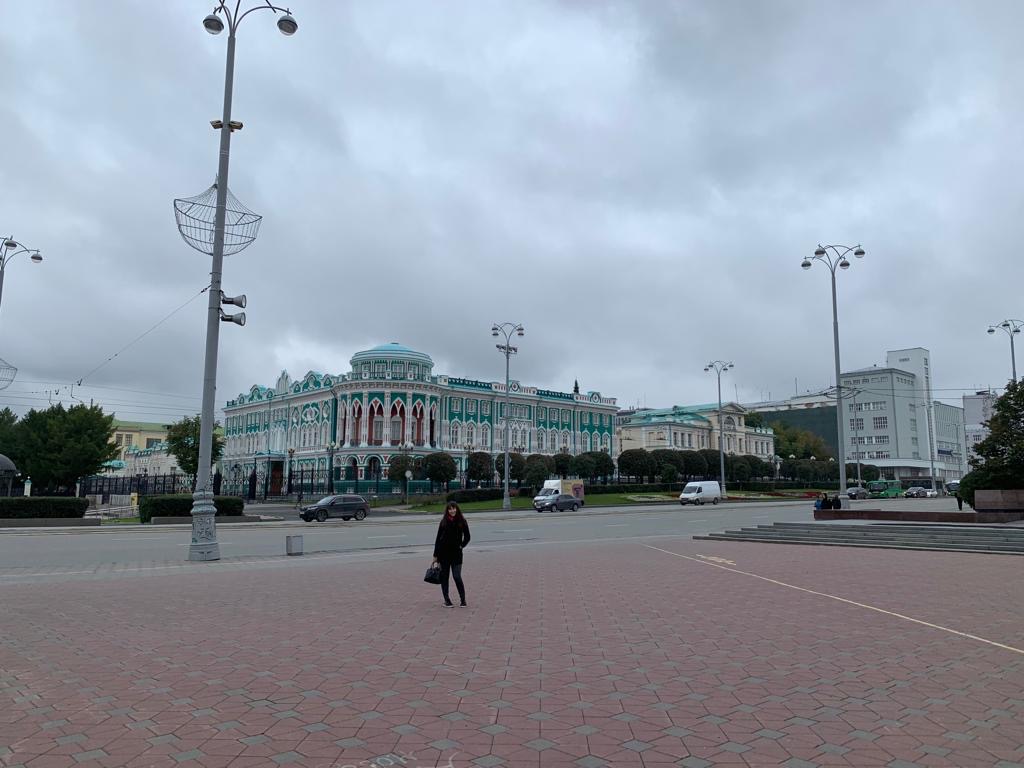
<point>293,545</point>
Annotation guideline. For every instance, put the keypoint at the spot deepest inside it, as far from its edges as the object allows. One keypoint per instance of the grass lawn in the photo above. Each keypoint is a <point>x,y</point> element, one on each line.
<point>120,521</point>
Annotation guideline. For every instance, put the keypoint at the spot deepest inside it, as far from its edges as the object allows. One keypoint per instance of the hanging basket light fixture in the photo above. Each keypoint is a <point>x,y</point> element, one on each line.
<point>7,374</point>
<point>195,217</point>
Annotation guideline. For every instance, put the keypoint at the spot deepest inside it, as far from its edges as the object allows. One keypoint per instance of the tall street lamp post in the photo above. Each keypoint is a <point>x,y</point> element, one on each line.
<point>266,445</point>
<point>193,223</point>
<point>9,249</point>
<point>834,256</point>
<point>1010,327</point>
<point>507,330</point>
<point>331,448</point>
<point>719,367</point>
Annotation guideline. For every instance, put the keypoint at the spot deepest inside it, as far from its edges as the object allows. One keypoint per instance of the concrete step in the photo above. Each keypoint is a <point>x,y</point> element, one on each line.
<point>895,540</point>
<point>862,545</point>
<point>948,536</point>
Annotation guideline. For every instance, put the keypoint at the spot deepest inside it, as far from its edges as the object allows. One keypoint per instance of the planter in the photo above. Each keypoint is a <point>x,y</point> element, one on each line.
<point>999,506</point>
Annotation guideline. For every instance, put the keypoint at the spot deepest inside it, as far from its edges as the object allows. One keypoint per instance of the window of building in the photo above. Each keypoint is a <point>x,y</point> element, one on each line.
<point>471,406</point>
<point>470,435</point>
<point>540,441</point>
<point>455,404</point>
<point>542,412</point>
<point>414,370</point>
<point>398,369</point>
<point>119,439</point>
<point>485,408</point>
<point>881,439</point>
<point>856,423</point>
<point>880,422</point>
<point>128,439</point>
<point>913,425</point>
<point>152,442</point>
<point>378,370</point>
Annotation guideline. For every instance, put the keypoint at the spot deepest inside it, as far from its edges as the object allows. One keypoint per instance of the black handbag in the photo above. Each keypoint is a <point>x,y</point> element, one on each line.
<point>433,575</point>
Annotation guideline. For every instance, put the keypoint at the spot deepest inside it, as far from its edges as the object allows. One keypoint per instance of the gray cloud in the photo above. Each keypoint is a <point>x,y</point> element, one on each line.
<point>634,182</point>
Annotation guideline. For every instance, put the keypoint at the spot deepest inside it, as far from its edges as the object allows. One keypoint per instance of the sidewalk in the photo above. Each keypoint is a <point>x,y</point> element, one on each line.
<point>619,655</point>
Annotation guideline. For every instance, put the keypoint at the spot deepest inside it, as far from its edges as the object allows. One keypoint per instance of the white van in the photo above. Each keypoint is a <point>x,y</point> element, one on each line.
<point>699,493</point>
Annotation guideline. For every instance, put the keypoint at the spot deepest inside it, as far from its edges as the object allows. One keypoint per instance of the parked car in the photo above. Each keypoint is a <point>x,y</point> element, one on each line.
<point>556,502</point>
<point>344,506</point>
<point>700,493</point>
<point>930,493</point>
<point>857,492</point>
<point>915,493</point>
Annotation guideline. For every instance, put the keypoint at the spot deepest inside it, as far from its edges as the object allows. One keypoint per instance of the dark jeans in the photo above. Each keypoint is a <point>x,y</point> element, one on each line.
<point>456,571</point>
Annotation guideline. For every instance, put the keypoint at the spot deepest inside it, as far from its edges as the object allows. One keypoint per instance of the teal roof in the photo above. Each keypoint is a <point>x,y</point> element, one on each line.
<point>392,350</point>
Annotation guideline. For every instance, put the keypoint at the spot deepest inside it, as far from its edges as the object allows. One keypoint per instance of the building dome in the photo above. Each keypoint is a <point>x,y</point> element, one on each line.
<point>7,466</point>
<point>386,356</point>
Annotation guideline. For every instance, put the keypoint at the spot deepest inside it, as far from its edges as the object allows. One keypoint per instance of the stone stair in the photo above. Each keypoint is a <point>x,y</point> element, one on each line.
<point>992,540</point>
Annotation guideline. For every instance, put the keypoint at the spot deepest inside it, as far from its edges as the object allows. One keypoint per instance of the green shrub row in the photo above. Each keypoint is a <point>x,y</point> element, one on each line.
<point>24,507</point>
<point>180,505</point>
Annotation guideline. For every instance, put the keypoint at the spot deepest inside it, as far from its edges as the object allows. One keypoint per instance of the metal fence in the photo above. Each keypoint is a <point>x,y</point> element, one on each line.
<point>105,486</point>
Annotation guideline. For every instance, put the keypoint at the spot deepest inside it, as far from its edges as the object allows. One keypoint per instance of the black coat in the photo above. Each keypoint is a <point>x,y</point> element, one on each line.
<point>451,538</point>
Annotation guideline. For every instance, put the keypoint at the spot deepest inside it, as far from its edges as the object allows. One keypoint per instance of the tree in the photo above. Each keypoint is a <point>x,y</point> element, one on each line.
<point>603,464</point>
<point>516,467</point>
<point>8,423</point>
<point>634,463</point>
<point>583,465</point>
<point>869,472</point>
<point>563,464</point>
<point>999,464</point>
<point>711,459</point>
<point>694,464</point>
<point>57,446</point>
<point>669,473</point>
<point>183,444</point>
<point>538,469</point>
<point>738,468</point>
<point>440,467</point>
<point>801,443</point>
<point>479,467</point>
<point>398,465</point>
<point>755,420</point>
<point>663,457</point>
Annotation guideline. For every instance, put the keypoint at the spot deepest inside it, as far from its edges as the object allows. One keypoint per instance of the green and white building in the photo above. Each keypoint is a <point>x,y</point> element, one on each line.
<point>390,403</point>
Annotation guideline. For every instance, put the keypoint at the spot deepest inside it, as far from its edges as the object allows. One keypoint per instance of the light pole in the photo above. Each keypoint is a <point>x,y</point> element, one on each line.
<point>331,448</point>
<point>1011,328</point>
<point>719,367</point>
<point>266,475</point>
<point>834,256</point>
<point>193,222</point>
<point>507,330</point>
<point>9,248</point>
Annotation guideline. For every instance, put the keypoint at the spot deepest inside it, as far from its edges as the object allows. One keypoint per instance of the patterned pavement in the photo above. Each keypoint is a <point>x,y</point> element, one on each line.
<point>580,655</point>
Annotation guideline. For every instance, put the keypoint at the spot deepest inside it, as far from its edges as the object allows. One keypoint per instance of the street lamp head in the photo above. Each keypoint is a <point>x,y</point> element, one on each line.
<point>213,24</point>
<point>37,257</point>
<point>519,330</point>
<point>288,25</point>
<point>991,330</point>
<point>844,264</point>
<point>859,252</point>
<point>706,369</point>
<point>819,251</point>
<point>805,264</point>
<point>10,243</point>
<point>814,458</point>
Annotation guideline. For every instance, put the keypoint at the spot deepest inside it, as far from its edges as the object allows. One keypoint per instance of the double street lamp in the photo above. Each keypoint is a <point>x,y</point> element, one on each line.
<point>507,330</point>
<point>833,256</point>
<point>1011,328</point>
<point>720,367</point>
<point>192,215</point>
<point>9,249</point>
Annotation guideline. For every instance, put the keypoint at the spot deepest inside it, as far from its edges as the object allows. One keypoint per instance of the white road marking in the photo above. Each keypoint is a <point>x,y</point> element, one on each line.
<point>697,521</point>
<point>844,600</point>
<point>617,525</point>
<point>391,536</point>
<point>515,530</point>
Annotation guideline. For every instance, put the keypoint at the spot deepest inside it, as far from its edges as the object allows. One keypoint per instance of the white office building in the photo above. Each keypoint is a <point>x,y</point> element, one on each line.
<point>977,412</point>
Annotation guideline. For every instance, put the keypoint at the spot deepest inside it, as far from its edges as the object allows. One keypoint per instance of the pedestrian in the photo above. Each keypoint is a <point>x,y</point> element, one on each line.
<point>959,501</point>
<point>452,538</point>
<point>837,502</point>
<point>826,502</point>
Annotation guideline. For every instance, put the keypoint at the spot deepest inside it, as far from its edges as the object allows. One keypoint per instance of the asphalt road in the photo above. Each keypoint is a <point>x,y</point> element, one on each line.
<point>110,545</point>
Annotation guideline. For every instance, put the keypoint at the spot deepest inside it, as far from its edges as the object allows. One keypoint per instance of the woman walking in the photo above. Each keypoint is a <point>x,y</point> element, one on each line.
<point>452,537</point>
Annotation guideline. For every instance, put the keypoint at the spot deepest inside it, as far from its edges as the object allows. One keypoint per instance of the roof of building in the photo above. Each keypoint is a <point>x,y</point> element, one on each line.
<point>392,349</point>
<point>7,466</point>
<point>142,426</point>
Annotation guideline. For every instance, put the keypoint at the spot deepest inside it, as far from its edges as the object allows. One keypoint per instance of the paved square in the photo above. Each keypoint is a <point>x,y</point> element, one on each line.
<point>604,654</point>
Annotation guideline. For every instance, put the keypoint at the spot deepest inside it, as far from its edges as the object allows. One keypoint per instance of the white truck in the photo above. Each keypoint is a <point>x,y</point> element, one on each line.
<point>557,487</point>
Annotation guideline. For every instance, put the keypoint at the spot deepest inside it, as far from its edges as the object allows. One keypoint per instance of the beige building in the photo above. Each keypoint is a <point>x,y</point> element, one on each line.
<point>138,435</point>
<point>692,428</point>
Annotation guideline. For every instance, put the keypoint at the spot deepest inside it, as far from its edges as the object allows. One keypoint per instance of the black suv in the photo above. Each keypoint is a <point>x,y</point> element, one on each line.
<point>557,503</point>
<point>346,507</point>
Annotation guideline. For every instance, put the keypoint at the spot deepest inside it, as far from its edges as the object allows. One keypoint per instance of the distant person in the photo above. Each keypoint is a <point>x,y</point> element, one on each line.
<point>959,501</point>
<point>826,502</point>
<point>837,503</point>
<point>818,501</point>
<point>452,538</point>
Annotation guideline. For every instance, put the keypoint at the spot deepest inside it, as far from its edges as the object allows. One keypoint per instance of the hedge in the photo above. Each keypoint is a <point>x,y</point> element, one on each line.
<point>180,505</point>
<point>23,507</point>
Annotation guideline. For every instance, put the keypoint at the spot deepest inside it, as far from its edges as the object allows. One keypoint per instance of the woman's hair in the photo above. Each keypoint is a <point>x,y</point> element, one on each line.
<point>459,519</point>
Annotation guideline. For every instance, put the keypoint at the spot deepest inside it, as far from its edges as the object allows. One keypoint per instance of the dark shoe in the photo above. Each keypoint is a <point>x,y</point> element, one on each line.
<point>449,604</point>
<point>463,604</point>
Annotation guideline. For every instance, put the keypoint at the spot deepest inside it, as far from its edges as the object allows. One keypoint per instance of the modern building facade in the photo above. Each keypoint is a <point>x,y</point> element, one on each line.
<point>391,402</point>
<point>892,419</point>
<point>693,427</point>
<point>977,412</point>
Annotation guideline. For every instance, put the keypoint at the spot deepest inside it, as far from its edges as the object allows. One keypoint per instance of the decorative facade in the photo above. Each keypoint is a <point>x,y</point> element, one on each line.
<point>693,427</point>
<point>392,403</point>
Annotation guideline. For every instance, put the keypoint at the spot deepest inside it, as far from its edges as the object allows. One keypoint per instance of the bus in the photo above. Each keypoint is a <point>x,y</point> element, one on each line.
<point>885,489</point>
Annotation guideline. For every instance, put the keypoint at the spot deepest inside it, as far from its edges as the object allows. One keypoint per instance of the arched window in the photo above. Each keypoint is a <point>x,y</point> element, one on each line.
<point>485,436</point>
<point>470,435</point>
<point>433,425</point>
<point>565,440</point>
<point>606,444</point>
<point>357,423</point>
<point>456,435</point>
<point>397,431</point>
<point>730,422</point>
<point>540,441</point>
<point>586,441</point>
<point>375,422</point>
<point>417,423</point>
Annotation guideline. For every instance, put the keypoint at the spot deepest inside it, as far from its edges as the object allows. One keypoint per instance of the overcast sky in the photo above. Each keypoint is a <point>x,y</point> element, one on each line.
<point>634,182</point>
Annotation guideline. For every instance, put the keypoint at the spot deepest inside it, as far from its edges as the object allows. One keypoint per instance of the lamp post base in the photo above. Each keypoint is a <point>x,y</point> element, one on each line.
<point>204,546</point>
<point>506,503</point>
